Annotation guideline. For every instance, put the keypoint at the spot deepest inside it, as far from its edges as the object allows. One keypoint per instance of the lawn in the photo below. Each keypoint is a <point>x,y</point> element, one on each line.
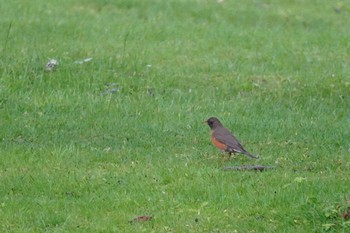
<point>95,143</point>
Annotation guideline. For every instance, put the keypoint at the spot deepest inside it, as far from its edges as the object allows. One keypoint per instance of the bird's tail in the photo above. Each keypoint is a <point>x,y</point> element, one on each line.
<point>250,155</point>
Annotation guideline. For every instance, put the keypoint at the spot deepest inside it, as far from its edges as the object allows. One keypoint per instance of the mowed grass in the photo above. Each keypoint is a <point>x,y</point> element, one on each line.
<point>89,147</point>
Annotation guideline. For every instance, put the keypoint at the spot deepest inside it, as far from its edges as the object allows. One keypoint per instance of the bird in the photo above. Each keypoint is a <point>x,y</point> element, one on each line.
<point>223,139</point>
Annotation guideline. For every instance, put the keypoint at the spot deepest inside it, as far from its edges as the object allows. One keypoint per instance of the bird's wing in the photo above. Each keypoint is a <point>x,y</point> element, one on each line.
<point>225,136</point>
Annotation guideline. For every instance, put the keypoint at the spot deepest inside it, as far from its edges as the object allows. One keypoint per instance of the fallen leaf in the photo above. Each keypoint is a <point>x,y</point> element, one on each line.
<point>346,214</point>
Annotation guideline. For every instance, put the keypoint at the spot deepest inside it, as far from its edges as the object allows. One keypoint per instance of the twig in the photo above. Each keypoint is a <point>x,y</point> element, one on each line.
<point>249,168</point>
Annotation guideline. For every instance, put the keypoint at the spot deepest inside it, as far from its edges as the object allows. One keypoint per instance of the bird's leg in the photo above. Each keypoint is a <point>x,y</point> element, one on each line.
<point>227,157</point>
<point>224,160</point>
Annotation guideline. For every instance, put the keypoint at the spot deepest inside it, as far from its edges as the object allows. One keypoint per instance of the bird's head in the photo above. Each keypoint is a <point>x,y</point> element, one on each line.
<point>213,122</point>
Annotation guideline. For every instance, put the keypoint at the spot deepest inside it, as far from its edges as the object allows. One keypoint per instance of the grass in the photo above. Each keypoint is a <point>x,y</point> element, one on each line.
<point>88,147</point>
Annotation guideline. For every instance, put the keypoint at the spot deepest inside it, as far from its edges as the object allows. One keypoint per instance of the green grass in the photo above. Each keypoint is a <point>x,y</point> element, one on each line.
<point>76,158</point>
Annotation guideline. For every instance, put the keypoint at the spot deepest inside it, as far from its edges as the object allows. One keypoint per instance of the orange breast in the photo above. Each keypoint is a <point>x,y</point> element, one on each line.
<point>218,144</point>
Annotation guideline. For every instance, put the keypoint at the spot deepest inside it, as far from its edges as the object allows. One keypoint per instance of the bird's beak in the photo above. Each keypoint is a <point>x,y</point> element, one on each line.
<point>205,122</point>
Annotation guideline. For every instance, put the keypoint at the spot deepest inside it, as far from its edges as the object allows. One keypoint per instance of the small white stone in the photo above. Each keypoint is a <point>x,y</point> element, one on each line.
<point>51,65</point>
